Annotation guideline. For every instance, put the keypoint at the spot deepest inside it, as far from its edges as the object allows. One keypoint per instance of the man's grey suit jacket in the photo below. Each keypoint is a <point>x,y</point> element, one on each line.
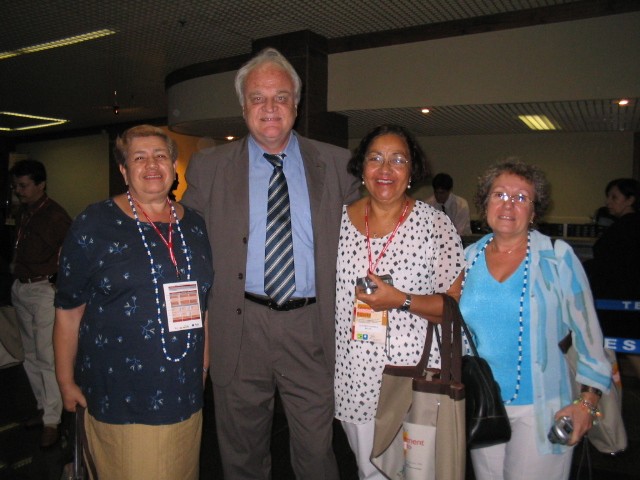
<point>218,188</point>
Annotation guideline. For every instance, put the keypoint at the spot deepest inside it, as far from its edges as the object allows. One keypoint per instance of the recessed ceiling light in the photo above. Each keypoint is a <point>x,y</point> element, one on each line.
<point>537,122</point>
<point>230,137</point>
<point>425,110</point>
<point>63,42</point>
<point>47,121</point>
<point>623,102</point>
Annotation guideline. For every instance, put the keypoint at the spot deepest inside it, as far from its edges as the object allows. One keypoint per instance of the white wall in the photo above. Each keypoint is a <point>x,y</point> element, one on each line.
<point>77,169</point>
<point>578,165</point>
<point>582,59</point>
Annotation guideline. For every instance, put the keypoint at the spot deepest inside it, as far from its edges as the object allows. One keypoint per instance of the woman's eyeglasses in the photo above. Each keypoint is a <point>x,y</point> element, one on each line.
<point>517,199</point>
<point>377,160</point>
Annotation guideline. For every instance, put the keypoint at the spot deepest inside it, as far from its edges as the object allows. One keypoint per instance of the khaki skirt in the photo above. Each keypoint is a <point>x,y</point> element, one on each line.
<point>145,452</point>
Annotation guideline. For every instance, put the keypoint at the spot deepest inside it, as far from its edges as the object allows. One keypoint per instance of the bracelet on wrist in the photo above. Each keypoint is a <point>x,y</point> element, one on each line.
<point>593,410</point>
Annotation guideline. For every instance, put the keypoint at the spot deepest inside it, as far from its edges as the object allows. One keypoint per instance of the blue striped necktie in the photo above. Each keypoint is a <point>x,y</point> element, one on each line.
<point>279,273</point>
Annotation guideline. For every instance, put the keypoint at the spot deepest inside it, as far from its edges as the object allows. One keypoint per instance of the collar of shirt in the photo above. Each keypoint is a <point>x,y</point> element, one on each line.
<point>450,203</point>
<point>256,159</point>
<point>31,208</point>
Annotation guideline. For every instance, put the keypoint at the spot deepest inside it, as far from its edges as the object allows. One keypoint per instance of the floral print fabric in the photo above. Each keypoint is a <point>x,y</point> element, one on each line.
<point>120,364</point>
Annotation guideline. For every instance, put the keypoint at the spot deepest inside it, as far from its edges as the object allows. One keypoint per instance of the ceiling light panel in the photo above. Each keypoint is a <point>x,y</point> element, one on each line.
<point>13,121</point>
<point>537,122</point>
<point>62,42</point>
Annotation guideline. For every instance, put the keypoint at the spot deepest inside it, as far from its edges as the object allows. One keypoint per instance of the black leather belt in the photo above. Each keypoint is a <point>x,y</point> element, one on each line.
<point>286,306</point>
<point>39,278</point>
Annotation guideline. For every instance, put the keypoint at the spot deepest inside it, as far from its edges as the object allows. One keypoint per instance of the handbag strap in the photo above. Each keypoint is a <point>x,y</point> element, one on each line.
<point>451,344</point>
<point>451,347</point>
<point>467,334</point>
<point>422,364</point>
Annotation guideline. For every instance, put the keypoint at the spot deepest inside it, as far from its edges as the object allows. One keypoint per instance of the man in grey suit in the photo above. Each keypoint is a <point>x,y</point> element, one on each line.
<point>260,344</point>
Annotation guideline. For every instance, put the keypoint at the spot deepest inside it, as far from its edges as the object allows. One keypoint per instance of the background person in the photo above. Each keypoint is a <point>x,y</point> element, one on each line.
<point>454,206</point>
<point>614,271</point>
<point>41,227</point>
<point>261,342</point>
<point>119,352</point>
<point>520,298</point>
<point>387,232</point>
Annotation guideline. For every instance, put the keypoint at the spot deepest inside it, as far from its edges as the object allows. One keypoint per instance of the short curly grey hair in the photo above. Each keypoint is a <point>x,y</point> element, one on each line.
<point>530,173</point>
<point>268,55</point>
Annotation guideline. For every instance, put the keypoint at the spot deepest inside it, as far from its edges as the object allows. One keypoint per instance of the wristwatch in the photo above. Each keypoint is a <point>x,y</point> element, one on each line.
<point>406,305</point>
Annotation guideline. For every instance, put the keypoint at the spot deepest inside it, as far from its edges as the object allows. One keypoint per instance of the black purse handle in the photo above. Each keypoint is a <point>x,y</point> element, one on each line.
<point>469,337</point>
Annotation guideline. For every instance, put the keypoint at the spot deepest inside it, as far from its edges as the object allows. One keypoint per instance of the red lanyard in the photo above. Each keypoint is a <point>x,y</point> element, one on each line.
<point>29,216</point>
<point>403,215</point>
<point>168,243</point>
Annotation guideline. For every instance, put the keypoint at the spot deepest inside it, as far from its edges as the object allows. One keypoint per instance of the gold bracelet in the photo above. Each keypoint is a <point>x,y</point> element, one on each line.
<point>594,411</point>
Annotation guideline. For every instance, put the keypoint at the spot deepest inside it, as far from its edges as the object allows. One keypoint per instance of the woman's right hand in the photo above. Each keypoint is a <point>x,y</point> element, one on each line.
<point>65,347</point>
<point>384,297</point>
<point>71,396</point>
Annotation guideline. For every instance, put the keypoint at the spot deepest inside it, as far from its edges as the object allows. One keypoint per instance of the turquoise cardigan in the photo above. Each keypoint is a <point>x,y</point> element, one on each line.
<point>560,301</point>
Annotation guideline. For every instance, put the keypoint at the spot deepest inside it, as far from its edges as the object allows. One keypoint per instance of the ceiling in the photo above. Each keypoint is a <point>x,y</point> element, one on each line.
<point>155,38</point>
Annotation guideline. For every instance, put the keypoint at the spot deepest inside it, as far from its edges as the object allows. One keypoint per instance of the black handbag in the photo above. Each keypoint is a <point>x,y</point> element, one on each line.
<point>486,417</point>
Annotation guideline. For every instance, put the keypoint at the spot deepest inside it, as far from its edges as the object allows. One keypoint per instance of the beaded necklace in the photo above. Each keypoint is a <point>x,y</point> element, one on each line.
<point>155,278</point>
<point>521,308</point>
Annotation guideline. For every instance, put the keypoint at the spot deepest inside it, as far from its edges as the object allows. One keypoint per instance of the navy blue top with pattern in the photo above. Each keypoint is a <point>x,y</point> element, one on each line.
<point>120,364</point>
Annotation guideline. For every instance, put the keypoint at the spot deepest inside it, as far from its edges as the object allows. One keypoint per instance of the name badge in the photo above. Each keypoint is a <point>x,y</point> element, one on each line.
<point>368,325</point>
<point>183,305</point>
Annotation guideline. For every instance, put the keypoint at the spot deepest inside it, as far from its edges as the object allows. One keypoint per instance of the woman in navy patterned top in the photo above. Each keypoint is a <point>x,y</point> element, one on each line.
<point>130,335</point>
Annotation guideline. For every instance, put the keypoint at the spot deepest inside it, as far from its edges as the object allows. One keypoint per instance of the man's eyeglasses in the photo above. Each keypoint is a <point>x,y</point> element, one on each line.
<point>395,160</point>
<point>517,199</point>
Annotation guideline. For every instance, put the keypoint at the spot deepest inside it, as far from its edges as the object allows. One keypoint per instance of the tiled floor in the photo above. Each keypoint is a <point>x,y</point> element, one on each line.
<point>22,459</point>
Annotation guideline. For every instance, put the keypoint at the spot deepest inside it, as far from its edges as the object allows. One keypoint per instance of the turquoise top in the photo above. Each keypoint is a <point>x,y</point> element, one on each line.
<point>491,310</point>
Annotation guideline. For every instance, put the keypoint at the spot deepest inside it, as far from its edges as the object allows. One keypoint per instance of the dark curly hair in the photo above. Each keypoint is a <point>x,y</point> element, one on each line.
<point>530,173</point>
<point>419,164</point>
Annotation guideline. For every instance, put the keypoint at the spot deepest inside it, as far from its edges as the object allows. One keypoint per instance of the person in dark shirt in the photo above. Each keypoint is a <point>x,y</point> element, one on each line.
<point>40,230</point>
<point>614,271</point>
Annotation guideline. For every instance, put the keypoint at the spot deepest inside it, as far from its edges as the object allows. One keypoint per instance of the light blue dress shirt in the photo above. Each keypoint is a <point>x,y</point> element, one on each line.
<point>260,171</point>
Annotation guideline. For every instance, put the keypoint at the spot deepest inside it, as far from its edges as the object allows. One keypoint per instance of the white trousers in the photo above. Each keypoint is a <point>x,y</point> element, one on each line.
<point>361,442</point>
<point>519,459</point>
<point>34,308</point>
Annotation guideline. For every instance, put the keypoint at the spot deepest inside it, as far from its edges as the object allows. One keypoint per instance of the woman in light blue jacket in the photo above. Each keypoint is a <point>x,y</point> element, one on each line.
<point>522,295</point>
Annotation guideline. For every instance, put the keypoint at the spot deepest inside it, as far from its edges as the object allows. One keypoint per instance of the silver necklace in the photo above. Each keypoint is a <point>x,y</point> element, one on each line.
<point>521,309</point>
<point>154,276</point>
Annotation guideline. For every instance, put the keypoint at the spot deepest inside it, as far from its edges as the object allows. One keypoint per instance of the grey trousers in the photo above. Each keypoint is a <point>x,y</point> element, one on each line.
<point>279,350</point>
<point>34,308</point>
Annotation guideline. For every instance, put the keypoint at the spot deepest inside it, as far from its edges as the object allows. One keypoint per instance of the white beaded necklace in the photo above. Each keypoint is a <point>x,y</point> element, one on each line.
<point>155,278</point>
<point>521,309</point>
